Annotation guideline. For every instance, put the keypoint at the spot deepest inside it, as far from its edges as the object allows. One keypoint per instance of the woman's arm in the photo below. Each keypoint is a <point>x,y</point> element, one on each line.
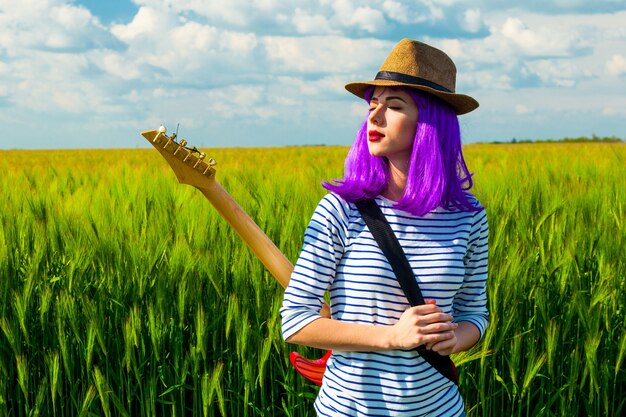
<point>420,325</point>
<point>470,303</point>
<point>465,336</point>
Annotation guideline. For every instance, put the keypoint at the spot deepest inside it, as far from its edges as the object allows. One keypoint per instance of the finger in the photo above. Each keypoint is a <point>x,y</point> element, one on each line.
<point>434,338</point>
<point>428,314</point>
<point>438,328</point>
<point>444,347</point>
<point>427,319</point>
<point>425,309</point>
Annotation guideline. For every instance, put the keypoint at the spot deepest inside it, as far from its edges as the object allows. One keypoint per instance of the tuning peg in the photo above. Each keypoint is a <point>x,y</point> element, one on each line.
<point>160,131</point>
<point>181,145</point>
<point>200,158</point>
<point>209,164</point>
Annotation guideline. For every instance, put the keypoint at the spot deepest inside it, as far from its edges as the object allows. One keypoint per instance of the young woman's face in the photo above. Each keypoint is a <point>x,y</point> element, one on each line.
<point>391,124</point>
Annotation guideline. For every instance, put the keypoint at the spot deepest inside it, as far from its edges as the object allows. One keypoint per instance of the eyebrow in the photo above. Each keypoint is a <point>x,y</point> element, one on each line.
<point>390,98</point>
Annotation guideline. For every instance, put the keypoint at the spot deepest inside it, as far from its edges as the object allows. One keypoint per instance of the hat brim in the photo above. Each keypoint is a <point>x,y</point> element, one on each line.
<point>461,103</point>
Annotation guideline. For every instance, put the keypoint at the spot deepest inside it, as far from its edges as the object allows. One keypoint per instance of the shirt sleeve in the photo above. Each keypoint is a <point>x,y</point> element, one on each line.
<point>470,302</point>
<point>314,271</point>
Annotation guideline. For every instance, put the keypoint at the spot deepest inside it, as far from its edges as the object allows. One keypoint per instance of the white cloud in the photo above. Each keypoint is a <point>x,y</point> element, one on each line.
<point>542,41</point>
<point>308,24</point>
<point>239,101</point>
<point>436,13</point>
<point>268,61</point>
<point>358,110</point>
<point>616,65</point>
<point>117,65</point>
<point>362,17</point>
<point>71,101</point>
<point>561,73</point>
<point>485,79</point>
<point>195,37</point>
<point>235,12</point>
<point>396,11</point>
<point>533,50</point>
<point>48,24</point>
<point>472,20</point>
<point>313,89</point>
<point>368,19</point>
<point>408,12</point>
<point>614,112</point>
<point>148,22</point>
<point>184,50</point>
<point>443,2</point>
<point>72,16</point>
<point>522,109</point>
<point>320,54</point>
<point>36,81</point>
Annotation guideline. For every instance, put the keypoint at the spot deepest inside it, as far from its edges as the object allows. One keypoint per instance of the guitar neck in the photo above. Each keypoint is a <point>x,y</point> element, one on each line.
<point>267,252</point>
<point>190,168</point>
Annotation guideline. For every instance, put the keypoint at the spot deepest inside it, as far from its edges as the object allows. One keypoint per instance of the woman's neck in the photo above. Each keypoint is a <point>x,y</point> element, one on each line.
<point>397,180</point>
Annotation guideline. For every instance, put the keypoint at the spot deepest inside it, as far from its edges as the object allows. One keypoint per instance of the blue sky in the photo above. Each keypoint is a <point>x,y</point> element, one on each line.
<point>95,73</point>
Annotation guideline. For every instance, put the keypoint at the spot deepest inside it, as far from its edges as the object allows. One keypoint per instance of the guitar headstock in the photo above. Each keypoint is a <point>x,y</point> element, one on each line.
<point>189,164</point>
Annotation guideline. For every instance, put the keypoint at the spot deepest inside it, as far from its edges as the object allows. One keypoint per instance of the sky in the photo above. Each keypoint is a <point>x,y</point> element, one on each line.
<point>95,73</point>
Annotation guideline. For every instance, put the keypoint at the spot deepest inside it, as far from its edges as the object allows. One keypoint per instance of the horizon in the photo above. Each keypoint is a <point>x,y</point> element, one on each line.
<point>513,141</point>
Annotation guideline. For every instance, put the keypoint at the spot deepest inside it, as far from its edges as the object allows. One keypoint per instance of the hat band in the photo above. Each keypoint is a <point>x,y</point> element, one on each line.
<point>409,79</point>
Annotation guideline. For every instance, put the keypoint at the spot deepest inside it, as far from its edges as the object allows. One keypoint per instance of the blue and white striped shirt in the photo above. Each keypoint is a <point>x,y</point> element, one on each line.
<point>447,250</point>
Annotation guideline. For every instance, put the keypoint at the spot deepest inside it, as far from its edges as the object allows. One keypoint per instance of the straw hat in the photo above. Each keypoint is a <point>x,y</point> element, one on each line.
<point>416,65</point>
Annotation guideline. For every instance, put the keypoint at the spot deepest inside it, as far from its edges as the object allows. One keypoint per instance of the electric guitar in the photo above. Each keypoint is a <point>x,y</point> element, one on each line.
<point>192,168</point>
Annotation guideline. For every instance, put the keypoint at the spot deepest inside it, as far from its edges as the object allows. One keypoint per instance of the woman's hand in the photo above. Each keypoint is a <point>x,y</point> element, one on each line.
<point>446,347</point>
<point>424,325</point>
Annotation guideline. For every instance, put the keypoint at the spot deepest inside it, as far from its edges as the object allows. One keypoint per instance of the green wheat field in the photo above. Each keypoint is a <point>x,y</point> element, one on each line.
<point>123,293</point>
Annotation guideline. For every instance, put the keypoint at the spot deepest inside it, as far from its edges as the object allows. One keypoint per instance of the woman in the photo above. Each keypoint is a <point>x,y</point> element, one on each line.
<point>407,156</point>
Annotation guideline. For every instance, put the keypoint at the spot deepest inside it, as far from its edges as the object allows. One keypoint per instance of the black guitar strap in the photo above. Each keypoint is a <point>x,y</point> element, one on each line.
<point>388,243</point>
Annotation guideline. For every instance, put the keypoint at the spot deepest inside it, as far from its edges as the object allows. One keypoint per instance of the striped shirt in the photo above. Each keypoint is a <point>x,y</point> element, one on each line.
<point>447,250</point>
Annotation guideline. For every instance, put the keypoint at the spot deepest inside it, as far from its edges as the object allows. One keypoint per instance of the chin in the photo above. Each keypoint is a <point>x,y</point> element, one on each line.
<point>375,150</point>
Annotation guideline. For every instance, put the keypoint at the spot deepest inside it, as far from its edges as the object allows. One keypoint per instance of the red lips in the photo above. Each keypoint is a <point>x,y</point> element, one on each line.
<point>374,135</point>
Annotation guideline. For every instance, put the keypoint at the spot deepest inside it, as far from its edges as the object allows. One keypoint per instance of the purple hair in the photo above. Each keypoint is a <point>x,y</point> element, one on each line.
<point>438,175</point>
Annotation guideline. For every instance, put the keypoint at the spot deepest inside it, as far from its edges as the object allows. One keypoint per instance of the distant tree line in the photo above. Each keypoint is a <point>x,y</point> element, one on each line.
<point>593,138</point>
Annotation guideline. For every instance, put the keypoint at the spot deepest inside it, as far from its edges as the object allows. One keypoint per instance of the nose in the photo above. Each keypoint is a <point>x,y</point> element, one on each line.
<point>377,115</point>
